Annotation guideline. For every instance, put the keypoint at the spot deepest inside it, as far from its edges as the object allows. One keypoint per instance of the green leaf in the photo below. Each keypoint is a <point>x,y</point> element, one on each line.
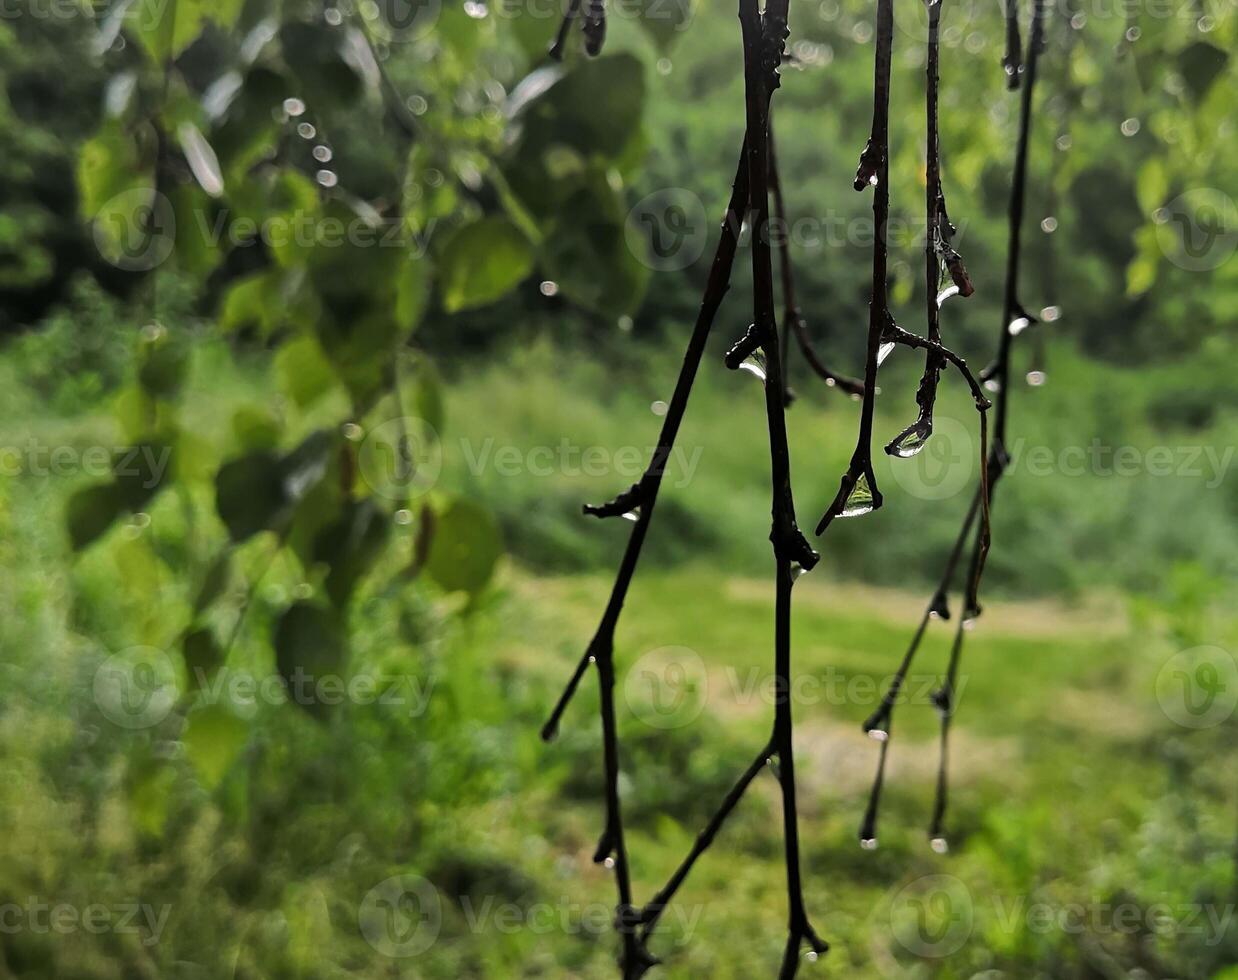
<point>350,546</point>
<point>1201,65</point>
<point>309,646</point>
<point>466,547</point>
<point>214,738</point>
<point>313,53</point>
<point>412,292</point>
<point>586,252</point>
<point>214,582</point>
<point>260,491</point>
<point>165,28</point>
<point>482,262</point>
<point>304,373</point>
<point>91,511</point>
<point>203,658</point>
<point>256,427</point>
<point>665,20</point>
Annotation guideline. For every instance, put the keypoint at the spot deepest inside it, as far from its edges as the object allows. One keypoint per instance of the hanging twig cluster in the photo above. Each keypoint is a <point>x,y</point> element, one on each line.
<point>763,352</point>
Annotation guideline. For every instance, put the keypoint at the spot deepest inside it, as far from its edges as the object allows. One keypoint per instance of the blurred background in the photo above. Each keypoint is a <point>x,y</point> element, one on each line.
<point>270,689</point>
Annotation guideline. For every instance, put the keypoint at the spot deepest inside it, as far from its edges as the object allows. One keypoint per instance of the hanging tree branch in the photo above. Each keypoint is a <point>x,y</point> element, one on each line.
<point>792,318</point>
<point>857,492</point>
<point>994,461</point>
<point>764,38</point>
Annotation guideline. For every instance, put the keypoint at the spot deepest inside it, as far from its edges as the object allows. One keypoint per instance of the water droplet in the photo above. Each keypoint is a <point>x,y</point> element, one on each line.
<point>915,440</point>
<point>404,516</point>
<point>1036,378</point>
<point>860,500</point>
<point>939,845</point>
<point>878,734</point>
<point>830,382</point>
<point>868,843</point>
<point>1049,225</point>
<point>1065,141</point>
<point>592,659</point>
<point>475,9</point>
<point>754,364</point>
<point>1018,325</point>
<point>549,288</point>
<point>417,105</point>
<point>1206,23</point>
<point>862,32</point>
<point>969,623</point>
<point>306,131</point>
<point>993,385</point>
<point>153,331</point>
<point>797,571</point>
<point>884,351</point>
<point>811,956</point>
<point>1079,21</point>
<point>665,66</point>
<point>322,153</point>
<point>352,431</point>
<point>333,16</point>
<point>626,323</point>
<point>303,590</point>
<point>945,294</point>
<point>659,408</point>
<point>609,862</point>
<point>633,515</point>
<point>873,180</point>
<point>294,107</point>
<point>327,178</point>
<point>1133,34</point>
<point>1130,126</point>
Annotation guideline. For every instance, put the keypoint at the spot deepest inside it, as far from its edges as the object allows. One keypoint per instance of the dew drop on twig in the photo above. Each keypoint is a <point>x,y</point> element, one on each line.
<point>939,844</point>
<point>947,293</point>
<point>878,734</point>
<point>860,500</point>
<point>1018,325</point>
<point>632,515</point>
<point>884,351</point>
<point>754,364</point>
<point>1036,378</point>
<point>868,843</point>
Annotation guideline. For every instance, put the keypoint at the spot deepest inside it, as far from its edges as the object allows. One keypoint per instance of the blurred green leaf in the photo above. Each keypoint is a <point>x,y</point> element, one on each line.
<point>304,373</point>
<point>259,491</point>
<point>665,20</point>
<point>256,427</point>
<point>214,582</point>
<point>1201,65</point>
<point>482,262</point>
<point>350,546</point>
<point>467,545</point>
<point>324,77</point>
<point>309,646</point>
<point>214,738</point>
<point>203,658</point>
<point>91,511</point>
<point>165,28</point>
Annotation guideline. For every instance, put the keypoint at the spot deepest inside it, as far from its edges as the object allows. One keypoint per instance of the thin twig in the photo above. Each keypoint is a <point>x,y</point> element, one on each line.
<point>793,319</point>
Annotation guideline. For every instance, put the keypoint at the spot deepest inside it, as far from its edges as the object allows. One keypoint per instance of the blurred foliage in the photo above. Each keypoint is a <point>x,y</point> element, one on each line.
<point>295,257</point>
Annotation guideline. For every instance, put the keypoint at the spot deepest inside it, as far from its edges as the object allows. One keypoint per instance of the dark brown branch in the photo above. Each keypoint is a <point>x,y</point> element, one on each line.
<point>894,334</point>
<point>874,169</point>
<point>793,319</point>
<point>763,46</point>
<point>1012,61</point>
<point>653,910</point>
<point>560,42</point>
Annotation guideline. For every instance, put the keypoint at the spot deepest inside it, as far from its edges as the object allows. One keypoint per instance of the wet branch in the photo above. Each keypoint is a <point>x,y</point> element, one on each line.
<point>792,318</point>
<point>994,460</point>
